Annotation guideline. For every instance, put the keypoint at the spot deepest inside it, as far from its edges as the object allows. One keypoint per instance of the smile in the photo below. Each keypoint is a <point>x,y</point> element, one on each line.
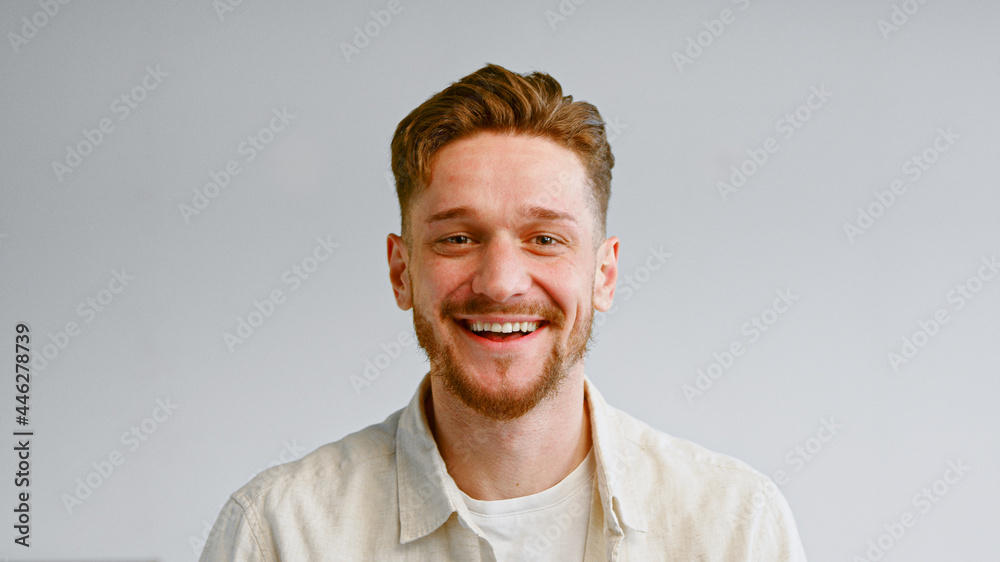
<point>498,331</point>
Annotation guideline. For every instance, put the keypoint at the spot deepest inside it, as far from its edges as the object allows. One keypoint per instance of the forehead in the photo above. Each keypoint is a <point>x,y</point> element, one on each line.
<point>504,173</point>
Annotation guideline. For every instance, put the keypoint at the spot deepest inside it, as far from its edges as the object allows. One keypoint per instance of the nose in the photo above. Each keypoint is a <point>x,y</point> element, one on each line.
<point>502,273</point>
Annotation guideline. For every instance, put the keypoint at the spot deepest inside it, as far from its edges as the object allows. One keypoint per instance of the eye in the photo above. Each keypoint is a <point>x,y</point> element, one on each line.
<point>545,240</point>
<point>458,239</point>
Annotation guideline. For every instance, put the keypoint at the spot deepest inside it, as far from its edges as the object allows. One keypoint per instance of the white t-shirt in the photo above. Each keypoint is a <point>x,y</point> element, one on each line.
<point>549,525</point>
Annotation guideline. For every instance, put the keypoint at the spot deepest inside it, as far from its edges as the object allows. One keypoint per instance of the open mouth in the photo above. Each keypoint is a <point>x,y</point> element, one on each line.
<point>502,331</point>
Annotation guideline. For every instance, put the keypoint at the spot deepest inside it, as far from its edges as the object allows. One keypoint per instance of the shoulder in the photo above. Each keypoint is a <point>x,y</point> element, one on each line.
<point>711,502</point>
<point>696,478</point>
<point>290,506</point>
<point>679,454</point>
<point>367,453</point>
<point>702,497</point>
<point>660,455</point>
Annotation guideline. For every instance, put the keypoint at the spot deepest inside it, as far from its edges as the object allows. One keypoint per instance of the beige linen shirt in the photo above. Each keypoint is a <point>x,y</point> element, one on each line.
<point>384,494</point>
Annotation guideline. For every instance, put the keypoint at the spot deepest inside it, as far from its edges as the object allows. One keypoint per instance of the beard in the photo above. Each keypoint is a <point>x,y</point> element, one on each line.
<point>507,402</point>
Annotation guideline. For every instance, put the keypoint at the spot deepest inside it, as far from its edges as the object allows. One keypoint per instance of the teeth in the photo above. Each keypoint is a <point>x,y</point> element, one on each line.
<point>505,328</point>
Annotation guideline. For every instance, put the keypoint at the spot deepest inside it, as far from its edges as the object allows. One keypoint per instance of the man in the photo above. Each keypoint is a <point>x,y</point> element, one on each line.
<point>506,451</point>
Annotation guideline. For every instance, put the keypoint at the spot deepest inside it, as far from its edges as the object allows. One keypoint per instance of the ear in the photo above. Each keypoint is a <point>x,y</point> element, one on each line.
<point>399,259</point>
<point>606,275</point>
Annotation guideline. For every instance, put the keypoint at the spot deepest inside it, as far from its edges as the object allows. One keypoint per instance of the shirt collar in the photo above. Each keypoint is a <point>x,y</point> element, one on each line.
<point>428,495</point>
<point>616,454</point>
<point>426,499</point>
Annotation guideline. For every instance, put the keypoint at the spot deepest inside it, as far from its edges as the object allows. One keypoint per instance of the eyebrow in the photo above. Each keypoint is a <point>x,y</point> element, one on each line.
<point>449,214</point>
<point>534,212</point>
<point>544,214</point>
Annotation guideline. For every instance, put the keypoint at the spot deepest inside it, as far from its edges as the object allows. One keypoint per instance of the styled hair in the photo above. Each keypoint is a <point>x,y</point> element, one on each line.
<point>497,100</point>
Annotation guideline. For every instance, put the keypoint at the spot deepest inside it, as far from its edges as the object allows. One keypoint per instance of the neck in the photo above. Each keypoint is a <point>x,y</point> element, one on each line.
<point>494,460</point>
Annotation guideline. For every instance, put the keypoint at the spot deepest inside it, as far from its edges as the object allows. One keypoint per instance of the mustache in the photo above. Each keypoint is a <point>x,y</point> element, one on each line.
<point>481,305</point>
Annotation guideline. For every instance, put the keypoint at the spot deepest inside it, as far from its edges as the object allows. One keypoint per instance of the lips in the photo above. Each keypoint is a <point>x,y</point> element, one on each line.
<point>501,327</point>
<point>501,330</point>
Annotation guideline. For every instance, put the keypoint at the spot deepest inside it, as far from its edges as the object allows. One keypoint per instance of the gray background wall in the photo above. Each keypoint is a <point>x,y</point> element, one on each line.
<point>201,80</point>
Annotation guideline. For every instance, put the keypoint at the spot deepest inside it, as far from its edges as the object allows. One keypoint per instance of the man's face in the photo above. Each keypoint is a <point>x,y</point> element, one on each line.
<point>501,269</point>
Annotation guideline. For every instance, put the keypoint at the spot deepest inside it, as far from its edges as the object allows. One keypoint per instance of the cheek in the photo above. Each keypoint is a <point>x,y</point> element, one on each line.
<point>435,280</point>
<point>571,288</point>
